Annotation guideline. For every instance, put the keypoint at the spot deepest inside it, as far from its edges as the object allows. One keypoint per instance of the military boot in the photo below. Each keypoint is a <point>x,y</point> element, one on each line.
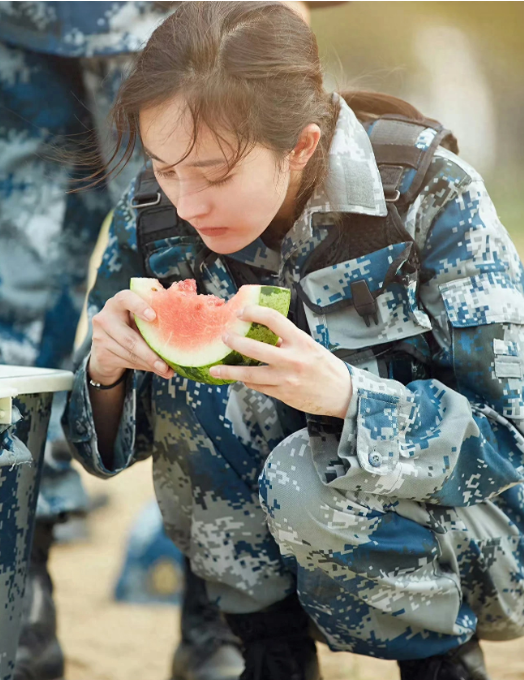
<point>39,656</point>
<point>462,663</point>
<point>276,643</point>
<point>208,649</point>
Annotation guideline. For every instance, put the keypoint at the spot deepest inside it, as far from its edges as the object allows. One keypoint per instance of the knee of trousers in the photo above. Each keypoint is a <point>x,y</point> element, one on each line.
<point>293,496</point>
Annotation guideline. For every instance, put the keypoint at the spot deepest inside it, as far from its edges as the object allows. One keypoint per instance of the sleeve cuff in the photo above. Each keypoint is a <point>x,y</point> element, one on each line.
<point>376,422</point>
<point>80,425</point>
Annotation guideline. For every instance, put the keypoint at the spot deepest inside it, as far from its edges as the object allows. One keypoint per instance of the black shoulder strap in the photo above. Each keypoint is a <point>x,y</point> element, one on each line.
<point>394,139</point>
<point>157,219</point>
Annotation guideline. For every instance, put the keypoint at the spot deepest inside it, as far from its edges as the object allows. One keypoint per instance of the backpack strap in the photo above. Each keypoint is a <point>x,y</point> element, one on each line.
<point>394,138</point>
<point>157,219</point>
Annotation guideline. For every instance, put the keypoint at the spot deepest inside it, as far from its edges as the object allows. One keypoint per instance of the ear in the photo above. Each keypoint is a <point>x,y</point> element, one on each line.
<point>305,147</point>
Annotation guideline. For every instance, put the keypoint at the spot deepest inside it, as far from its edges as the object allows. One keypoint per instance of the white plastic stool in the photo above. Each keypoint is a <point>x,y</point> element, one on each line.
<point>26,395</point>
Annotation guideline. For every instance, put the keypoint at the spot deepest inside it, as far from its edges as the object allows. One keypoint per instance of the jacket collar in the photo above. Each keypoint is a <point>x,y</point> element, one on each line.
<point>353,182</point>
<point>353,185</point>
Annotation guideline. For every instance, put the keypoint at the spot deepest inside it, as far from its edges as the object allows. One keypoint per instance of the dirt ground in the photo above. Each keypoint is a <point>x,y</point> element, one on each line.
<point>106,640</point>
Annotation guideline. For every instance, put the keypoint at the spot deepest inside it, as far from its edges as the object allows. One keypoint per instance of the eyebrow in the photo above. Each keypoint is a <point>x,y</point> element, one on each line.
<point>197,164</point>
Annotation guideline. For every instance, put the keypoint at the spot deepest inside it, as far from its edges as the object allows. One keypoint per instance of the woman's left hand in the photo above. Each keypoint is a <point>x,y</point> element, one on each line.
<point>299,371</point>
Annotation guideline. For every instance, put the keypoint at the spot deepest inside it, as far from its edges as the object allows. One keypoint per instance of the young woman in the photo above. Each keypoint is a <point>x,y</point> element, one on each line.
<point>373,502</point>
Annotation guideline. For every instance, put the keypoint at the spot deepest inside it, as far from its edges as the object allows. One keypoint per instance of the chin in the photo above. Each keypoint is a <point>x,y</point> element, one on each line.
<point>228,246</point>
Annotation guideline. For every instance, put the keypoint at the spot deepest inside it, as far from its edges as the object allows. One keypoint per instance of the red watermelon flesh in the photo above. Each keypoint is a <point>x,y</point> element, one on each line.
<point>188,329</point>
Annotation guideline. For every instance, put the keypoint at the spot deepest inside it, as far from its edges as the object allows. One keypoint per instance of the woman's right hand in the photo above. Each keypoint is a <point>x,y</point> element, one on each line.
<point>117,344</point>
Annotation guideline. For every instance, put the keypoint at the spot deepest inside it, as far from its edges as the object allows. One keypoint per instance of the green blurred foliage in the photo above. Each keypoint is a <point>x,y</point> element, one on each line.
<point>370,45</point>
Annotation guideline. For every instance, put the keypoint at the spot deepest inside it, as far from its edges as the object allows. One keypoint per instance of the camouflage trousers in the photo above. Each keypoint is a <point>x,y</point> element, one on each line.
<point>396,579</point>
<point>47,234</point>
<point>382,577</point>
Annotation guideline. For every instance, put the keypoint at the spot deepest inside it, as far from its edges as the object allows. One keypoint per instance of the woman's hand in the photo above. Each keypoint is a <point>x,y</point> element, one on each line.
<point>300,372</point>
<point>118,345</point>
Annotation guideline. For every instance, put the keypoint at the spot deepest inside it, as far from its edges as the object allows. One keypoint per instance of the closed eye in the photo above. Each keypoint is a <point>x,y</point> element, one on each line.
<point>219,182</point>
<point>169,174</point>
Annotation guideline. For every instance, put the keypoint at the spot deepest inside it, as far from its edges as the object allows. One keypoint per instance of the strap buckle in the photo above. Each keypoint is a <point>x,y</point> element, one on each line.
<point>364,302</point>
<point>394,198</point>
<point>146,200</point>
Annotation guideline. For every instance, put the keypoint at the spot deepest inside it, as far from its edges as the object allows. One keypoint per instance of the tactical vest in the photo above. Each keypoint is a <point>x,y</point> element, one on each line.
<point>402,166</point>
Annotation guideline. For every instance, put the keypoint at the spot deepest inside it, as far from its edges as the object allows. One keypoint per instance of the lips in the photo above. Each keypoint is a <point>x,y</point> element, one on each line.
<point>212,231</point>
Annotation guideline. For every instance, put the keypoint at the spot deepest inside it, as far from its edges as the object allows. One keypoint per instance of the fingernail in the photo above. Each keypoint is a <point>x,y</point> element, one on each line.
<point>215,371</point>
<point>160,366</point>
<point>225,338</point>
<point>149,314</point>
<point>240,312</point>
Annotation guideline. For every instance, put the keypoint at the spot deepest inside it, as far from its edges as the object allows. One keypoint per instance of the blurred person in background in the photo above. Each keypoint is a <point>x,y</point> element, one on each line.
<point>61,64</point>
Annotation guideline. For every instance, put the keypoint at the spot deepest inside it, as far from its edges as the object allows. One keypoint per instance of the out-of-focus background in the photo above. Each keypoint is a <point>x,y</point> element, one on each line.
<point>459,62</point>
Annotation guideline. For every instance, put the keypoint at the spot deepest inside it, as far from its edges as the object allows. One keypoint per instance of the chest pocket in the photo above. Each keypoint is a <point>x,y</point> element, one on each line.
<point>364,302</point>
<point>486,317</point>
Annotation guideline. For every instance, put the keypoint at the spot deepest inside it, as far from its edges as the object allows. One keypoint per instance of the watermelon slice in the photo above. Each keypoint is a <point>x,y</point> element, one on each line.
<point>188,329</point>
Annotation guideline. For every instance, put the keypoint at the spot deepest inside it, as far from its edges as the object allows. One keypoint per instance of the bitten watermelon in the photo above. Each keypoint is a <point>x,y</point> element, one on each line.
<point>188,329</point>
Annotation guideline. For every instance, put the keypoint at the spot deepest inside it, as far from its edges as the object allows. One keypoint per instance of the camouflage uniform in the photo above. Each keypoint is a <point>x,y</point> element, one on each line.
<point>398,526</point>
<point>61,64</point>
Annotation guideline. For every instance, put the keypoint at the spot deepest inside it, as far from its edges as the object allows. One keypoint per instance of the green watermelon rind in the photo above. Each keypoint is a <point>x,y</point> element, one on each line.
<point>270,296</point>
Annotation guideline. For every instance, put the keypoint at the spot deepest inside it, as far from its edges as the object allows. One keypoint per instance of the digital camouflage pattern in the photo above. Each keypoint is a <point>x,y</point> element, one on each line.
<point>21,457</point>
<point>80,29</point>
<point>46,235</point>
<point>399,526</point>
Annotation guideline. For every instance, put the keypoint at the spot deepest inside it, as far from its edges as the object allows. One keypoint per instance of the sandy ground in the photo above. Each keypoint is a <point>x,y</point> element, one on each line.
<point>105,640</point>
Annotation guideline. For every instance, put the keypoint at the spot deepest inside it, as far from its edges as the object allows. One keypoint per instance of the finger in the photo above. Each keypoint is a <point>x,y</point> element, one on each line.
<point>129,345</point>
<point>278,323</point>
<point>122,357</point>
<point>118,360</point>
<point>127,301</point>
<point>254,349</point>
<point>132,322</point>
<point>258,375</point>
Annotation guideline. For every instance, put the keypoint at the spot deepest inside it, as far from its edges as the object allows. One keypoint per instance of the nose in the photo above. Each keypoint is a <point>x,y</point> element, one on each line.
<point>192,205</point>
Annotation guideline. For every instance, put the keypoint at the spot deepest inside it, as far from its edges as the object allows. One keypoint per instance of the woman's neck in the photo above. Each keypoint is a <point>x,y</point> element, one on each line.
<point>286,215</point>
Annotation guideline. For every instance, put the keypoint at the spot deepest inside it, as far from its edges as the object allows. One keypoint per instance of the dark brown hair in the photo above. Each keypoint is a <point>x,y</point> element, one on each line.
<point>250,69</point>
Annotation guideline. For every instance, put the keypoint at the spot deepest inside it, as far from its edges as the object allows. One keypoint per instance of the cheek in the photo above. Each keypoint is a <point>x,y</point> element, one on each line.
<point>260,199</point>
<point>169,188</point>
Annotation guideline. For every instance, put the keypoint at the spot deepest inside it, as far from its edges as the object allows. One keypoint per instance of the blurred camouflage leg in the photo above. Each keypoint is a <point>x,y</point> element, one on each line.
<point>39,655</point>
<point>208,649</point>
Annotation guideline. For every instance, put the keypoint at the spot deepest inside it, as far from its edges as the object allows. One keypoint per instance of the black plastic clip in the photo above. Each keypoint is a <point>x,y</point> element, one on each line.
<point>364,302</point>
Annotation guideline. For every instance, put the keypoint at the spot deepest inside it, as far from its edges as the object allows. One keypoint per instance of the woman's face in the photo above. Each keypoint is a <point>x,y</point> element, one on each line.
<point>228,212</point>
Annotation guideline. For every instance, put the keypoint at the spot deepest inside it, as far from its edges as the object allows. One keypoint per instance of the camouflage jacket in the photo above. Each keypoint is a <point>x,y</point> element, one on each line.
<point>80,29</point>
<point>449,433</point>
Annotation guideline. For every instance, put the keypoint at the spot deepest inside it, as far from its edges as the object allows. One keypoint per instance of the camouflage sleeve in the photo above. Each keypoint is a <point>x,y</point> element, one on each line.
<point>120,262</point>
<point>455,439</point>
